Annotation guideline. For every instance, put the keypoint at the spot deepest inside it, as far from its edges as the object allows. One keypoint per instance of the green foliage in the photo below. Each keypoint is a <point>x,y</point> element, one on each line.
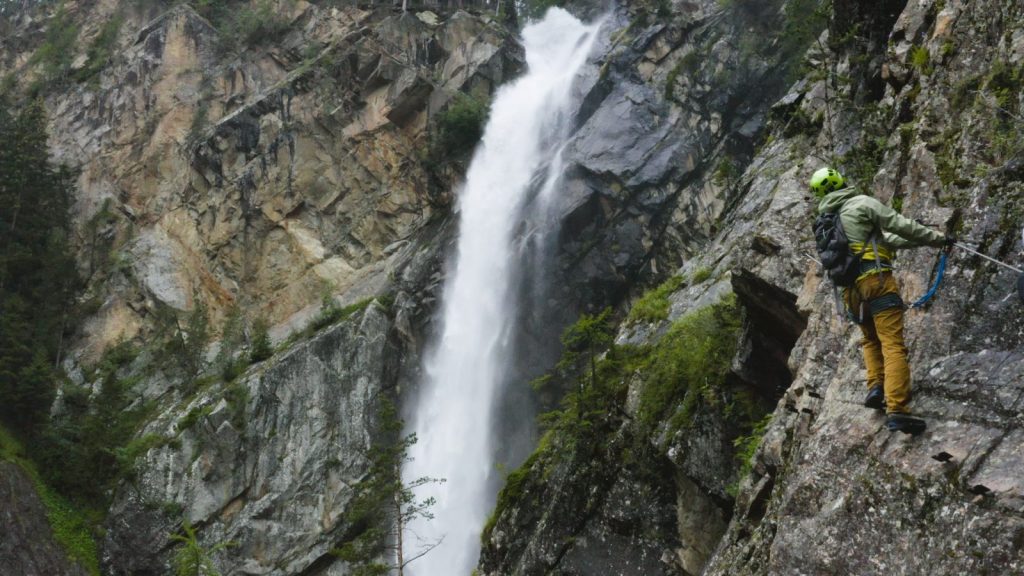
<point>229,362</point>
<point>127,455</point>
<point>8,86</point>
<point>459,127</point>
<point>247,24</point>
<point>654,306</point>
<point>725,172</point>
<point>804,20</point>
<point>581,343</point>
<point>260,348</point>
<point>86,452</point>
<point>56,53</point>
<point>70,525</point>
<point>262,22</point>
<point>948,49</point>
<point>101,50</point>
<point>589,413</point>
<point>1005,82</point>
<point>510,493</point>
<point>861,163</point>
<point>746,446</point>
<point>237,395</point>
<point>331,313</point>
<point>98,239</point>
<point>192,342</point>
<point>192,558</point>
<point>194,415</point>
<point>921,60</point>
<point>689,364</point>
<point>689,64</point>
<point>383,504</point>
<point>700,275</point>
<point>800,122</point>
<point>38,282</point>
<point>897,203</point>
<point>964,92</point>
<point>200,121</point>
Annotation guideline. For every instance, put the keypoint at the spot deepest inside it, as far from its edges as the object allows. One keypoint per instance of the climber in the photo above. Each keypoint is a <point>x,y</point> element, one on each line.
<point>874,232</point>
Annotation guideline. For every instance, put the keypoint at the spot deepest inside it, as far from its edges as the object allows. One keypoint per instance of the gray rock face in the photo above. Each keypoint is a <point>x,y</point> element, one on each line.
<point>270,469</point>
<point>831,491</point>
<point>690,156</point>
<point>260,178</point>
<point>254,177</point>
<point>644,136</point>
<point>27,546</point>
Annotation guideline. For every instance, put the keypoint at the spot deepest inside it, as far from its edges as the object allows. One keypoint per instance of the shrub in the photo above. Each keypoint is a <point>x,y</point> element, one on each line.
<point>921,60</point>
<point>192,558</point>
<point>70,525</point>
<point>101,50</point>
<point>247,25</point>
<point>746,446</point>
<point>237,395</point>
<point>57,51</point>
<point>331,313</point>
<point>260,347</point>
<point>701,274</point>
<point>85,453</point>
<point>690,363</point>
<point>460,127</point>
<point>193,417</point>
<point>654,306</point>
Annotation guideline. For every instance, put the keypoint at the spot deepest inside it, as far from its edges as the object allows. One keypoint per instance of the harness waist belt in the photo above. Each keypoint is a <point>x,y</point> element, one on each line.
<point>885,302</point>
<point>867,266</point>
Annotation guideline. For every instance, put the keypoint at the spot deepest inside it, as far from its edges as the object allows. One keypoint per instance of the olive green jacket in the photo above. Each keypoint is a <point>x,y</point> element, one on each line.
<point>861,214</point>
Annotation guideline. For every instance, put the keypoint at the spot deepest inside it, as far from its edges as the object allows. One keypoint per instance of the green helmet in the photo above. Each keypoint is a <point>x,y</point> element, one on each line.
<point>826,180</point>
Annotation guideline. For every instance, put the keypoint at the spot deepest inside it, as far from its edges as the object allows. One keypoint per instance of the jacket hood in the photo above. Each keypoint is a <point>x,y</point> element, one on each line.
<point>833,200</point>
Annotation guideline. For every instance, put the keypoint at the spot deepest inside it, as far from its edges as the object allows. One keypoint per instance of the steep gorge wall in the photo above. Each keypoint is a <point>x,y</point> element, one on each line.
<point>920,105</point>
<point>260,178</point>
<point>264,178</point>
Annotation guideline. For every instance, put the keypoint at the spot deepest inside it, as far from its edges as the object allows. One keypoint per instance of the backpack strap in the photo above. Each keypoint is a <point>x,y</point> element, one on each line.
<point>874,246</point>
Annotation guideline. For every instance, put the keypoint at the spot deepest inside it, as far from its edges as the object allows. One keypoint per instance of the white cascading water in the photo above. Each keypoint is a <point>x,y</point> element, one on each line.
<point>453,419</point>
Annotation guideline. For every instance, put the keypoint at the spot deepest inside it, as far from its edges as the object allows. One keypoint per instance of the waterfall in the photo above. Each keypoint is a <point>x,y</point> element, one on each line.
<point>463,371</point>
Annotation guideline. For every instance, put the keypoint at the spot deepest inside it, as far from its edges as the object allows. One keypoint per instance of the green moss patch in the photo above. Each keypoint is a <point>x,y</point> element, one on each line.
<point>746,446</point>
<point>654,305</point>
<point>70,525</point>
<point>690,362</point>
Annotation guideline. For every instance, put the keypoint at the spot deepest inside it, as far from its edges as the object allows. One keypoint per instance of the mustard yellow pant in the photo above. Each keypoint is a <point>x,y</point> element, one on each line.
<point>885,352</point>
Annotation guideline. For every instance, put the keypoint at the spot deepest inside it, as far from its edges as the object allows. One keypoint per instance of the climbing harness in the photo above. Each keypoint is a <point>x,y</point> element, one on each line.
<point>938,280</point>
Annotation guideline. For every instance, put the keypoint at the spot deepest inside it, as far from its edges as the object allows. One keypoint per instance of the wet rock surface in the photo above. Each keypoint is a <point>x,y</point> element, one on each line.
<point>259,179</point>
<point>830,490</point>
<point>271,468</point>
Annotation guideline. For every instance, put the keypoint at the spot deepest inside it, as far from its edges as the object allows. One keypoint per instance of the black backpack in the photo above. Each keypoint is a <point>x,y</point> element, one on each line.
<point>842,265</point>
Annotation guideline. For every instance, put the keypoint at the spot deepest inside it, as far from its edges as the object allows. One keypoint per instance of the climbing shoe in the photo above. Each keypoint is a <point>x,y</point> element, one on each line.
<point>904,423</point>
<point>875,398</point>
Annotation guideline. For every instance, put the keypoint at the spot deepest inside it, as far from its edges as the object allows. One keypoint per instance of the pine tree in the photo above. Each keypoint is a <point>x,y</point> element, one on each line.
<point>191,558</point>
<point>581,343</point>
<point>38,281</point>
<point>261,348</point>
<point>384,504</point>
